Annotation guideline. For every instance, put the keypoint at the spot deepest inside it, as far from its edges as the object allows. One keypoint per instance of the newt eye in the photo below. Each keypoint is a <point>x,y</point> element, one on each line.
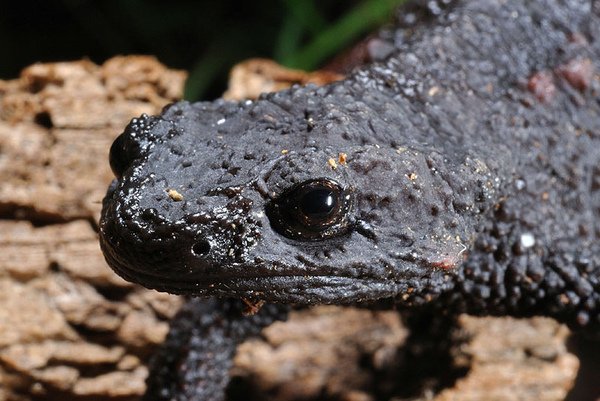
<point>119,156</point>
<point>313,210</point>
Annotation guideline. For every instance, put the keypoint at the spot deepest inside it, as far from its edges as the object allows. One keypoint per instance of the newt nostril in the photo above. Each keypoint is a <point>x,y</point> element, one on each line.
<point>201,248</point>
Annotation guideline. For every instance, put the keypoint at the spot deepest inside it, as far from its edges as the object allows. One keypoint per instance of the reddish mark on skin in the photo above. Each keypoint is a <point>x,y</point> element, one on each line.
<point>577,38</point>
<point>449,262</point>
<point>445,264</point>
<point>577,72</point>
<point>541,85</point>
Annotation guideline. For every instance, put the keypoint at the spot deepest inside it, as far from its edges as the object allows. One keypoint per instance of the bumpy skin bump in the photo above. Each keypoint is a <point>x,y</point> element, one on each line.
<point>469,192</point>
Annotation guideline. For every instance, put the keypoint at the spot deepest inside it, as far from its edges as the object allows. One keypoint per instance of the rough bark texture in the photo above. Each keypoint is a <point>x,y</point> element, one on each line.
<point>71,329</point>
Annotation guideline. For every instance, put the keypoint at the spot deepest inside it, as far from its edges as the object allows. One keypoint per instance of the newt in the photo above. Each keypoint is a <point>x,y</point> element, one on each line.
<point>458,172</point>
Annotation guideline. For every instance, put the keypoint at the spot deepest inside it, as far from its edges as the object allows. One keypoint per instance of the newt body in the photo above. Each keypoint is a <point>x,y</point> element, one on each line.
<point>460,173</point>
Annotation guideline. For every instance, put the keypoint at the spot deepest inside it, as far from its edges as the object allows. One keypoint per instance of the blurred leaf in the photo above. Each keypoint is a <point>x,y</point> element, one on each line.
<point>363,17</point>
<point>288,39</point>
<point>307,14</point>
<point>204,73</point>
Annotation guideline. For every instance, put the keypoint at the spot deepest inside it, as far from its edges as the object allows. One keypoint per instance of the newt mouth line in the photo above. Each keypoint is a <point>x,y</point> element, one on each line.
<point>189,278</point>
<point>243,284</point>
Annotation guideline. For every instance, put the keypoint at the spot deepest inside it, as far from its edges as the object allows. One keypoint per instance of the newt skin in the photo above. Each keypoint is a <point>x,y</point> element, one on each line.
<point>469,161</point>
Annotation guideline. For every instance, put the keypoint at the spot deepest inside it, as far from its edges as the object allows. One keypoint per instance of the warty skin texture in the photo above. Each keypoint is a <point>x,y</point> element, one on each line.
<point>468,190</point>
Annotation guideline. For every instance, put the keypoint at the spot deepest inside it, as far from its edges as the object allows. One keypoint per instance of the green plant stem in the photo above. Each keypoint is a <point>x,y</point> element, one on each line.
<point>359,20</point>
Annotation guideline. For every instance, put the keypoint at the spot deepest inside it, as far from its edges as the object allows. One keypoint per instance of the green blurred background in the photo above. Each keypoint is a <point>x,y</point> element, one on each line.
<point>204,38</point>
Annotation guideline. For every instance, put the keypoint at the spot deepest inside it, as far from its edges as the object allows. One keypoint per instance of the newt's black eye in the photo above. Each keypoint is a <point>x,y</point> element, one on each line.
<point>313,210</point>
<point>122,153</point>
<point>317,204</point>
<point>116,157</point>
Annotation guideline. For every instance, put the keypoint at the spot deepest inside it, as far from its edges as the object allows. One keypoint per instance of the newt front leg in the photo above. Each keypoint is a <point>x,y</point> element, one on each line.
<point>193,364</point>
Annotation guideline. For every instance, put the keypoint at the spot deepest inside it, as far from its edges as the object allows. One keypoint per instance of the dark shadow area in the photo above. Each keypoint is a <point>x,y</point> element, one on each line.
<point>587,384</point>
<point>180,33</point>
<point>204,38</point>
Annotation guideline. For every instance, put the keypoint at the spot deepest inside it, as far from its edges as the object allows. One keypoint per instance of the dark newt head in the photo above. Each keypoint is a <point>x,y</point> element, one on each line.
<point>292,198</point>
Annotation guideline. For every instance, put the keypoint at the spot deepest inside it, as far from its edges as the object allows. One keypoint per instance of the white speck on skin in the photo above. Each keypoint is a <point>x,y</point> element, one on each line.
<point>221,121</point>
<point>527,240</point>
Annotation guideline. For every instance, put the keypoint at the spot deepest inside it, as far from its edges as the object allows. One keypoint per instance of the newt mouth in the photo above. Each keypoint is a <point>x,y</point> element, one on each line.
<point>278,287</point>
